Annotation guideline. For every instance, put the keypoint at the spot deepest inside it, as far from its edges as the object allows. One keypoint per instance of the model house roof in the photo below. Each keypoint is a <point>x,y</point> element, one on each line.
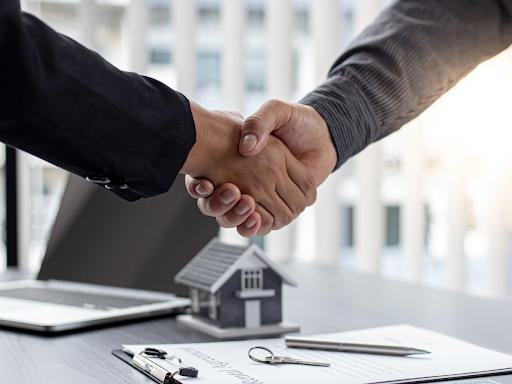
<point>217,262</point>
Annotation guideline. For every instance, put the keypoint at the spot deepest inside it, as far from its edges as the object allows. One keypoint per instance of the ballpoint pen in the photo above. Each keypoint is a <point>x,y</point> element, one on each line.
<point>342,346</point>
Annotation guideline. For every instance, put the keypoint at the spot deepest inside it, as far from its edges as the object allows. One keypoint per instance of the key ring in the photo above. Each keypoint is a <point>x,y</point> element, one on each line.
<point>161,354</point>
<point>272,357</point>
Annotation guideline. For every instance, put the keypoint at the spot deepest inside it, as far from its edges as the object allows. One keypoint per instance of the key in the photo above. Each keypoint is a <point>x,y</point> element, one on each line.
<point>289,360</point>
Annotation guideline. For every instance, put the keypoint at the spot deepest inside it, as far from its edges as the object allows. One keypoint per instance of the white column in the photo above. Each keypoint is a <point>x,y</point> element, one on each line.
<point>185,15</point>
<point>455,267</point>
<point>25,5</point>
<point>231,236</point>
<point>368,212</point>
<point>328,221</point>
<point>412,220</point>
<point>23,184</point>
<point>278,244</point>
<point>325,23</point>
<point>135,26</point>
<point>31,6</point>
<point>233,33</point>
<point>279,21</point>
<point>365,12</point>
<point>87,14</point>
<point>497,272</point>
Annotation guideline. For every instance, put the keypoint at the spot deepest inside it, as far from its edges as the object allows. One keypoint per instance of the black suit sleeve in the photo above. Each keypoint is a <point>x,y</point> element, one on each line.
<point>412,54</point>
<point>67,105</point>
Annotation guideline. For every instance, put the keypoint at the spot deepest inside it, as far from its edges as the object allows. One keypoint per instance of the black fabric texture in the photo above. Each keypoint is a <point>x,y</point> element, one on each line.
<point>412,54</point>
<point>65,104</point>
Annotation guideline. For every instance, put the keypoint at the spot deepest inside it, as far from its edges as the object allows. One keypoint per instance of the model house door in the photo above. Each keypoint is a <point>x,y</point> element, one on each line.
<point>252,313</point>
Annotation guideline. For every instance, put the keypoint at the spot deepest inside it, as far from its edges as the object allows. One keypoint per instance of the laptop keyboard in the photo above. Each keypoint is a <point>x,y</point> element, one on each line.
<point>75,299</point>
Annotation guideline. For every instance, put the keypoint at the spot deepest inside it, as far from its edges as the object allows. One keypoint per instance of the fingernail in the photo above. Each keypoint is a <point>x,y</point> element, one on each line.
<point>249,141</point>
<point>242,208</point>
<point>200,190</point>
<point>250,222</point>
<point>227,197</point>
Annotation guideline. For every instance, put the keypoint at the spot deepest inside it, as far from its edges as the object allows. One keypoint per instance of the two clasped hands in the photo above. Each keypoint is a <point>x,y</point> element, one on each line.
<point>260,173</point>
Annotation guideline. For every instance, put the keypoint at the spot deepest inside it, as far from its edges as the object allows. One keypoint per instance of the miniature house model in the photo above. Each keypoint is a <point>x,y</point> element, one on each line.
<point>235,291</point>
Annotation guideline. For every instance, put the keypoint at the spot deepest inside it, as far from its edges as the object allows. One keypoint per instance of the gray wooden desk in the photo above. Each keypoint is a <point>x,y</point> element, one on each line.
<point>327,300</point>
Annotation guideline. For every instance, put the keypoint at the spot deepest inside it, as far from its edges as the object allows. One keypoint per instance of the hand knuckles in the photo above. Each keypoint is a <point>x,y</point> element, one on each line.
<point>267,221</point>
<point>311,198</point>
<point>310,189</point>
<point>286,218</point>
<point>254,121</point>
<point>301,206</point>
<point>263,231</point>
<point>283,219</point>
<point>273,103</point>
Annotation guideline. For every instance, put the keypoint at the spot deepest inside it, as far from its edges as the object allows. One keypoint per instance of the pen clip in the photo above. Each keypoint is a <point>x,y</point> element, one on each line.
<point>154,369</point>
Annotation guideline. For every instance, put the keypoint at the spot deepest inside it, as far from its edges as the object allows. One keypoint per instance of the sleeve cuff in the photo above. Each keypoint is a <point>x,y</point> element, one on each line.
<point>347,113</point>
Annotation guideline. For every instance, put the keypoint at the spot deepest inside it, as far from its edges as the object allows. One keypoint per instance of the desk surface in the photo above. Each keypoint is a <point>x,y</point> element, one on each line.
<point>327,300</point>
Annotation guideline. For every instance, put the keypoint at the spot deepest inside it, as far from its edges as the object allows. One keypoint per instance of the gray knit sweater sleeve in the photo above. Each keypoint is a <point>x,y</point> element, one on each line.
<point>413,53</point>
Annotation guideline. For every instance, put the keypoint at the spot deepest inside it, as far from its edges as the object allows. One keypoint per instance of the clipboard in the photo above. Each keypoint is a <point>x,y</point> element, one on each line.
<point>128,359</point>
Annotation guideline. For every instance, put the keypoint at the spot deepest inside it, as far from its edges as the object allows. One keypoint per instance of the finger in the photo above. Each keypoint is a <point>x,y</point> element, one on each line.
<point>221,201</point>
<point>198,187</point>
<point>251,226</point>
<point>289,192</point>
<point>239,213</point>
<point>271,116</point>
<point>303,180</point>
<point>267,220</point>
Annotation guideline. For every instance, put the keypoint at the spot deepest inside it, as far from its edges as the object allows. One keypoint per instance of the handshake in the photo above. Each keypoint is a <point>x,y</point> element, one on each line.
<point>259,174</point>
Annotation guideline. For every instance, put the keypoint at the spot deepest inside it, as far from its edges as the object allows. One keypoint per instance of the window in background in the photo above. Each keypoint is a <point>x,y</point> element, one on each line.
<point>160,13</point>
<point>255,19</point>
<point>347,225</point>
<point>209,15</point>
<point>160,56</point>
<point>255,71</point>
<point>45,184</point>
<point>208,65</point>
<point>392,226</point>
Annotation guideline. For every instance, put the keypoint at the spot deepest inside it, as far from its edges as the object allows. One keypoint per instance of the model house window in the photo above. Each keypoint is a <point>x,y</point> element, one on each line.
<point>252,279</point>
<point>196,305</point>
<point>212,307</point>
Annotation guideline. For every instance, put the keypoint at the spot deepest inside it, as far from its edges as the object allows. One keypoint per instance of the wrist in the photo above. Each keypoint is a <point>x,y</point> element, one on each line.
<point>194,164</point>
<point>328,147</point>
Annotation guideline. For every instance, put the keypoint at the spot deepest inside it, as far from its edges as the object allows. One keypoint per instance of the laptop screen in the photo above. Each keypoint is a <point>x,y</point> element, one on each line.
<point>99,238</point>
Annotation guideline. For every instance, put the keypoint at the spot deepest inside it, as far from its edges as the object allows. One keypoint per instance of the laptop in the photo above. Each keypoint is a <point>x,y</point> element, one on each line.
<point>108,260</point>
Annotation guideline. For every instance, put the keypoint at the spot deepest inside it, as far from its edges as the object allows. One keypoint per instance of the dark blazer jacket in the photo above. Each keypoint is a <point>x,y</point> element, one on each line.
<point>67,105</point>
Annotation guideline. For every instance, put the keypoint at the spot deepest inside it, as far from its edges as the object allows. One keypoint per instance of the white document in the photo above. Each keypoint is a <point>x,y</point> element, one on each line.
<point>228,362</point>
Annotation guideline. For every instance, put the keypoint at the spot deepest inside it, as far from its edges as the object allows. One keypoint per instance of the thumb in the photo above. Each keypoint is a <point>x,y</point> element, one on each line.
<point>257,127</point>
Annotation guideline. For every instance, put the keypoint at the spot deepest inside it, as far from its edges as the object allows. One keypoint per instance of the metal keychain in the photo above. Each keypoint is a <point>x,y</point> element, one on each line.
<point>161,354</point>
<point>272,359</point>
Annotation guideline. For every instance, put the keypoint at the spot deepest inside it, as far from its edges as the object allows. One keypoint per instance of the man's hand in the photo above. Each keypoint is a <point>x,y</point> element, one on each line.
<point>300,127</point>
<point>280,186</point>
